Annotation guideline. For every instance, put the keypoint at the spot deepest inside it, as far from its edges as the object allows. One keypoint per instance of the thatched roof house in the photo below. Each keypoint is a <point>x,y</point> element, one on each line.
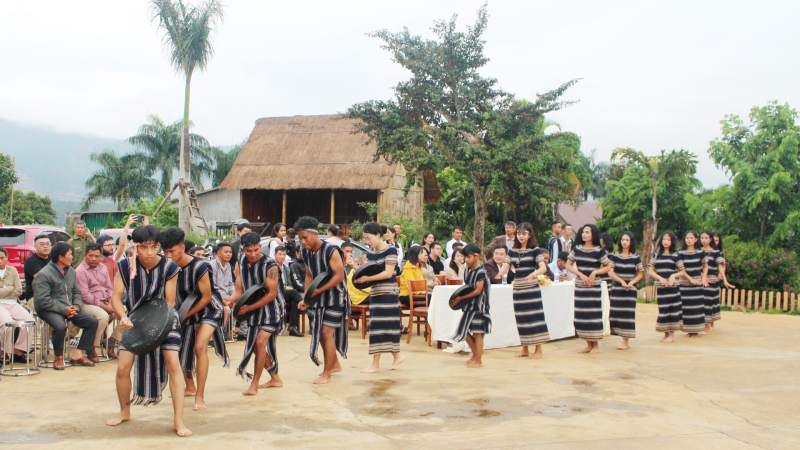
<point>318,166</point>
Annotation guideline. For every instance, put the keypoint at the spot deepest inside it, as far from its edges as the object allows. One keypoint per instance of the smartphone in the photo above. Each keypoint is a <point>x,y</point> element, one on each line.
<point>140,218</point>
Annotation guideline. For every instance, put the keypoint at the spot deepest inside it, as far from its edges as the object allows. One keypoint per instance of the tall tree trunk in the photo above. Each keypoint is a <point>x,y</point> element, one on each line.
<point>763,222</point>
<point>185,159</point>
<point>480,211</point>
<point>647,249</point>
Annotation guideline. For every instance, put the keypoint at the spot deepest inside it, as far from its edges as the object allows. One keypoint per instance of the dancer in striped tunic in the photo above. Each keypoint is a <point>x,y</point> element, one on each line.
<point>144,277</point>
<point>691,286</point>
<point>665,268</point>
<point>589,262</point>
<point>384,300</point>
<point>476,321</point>
<point>269,319</point>
<point>203,322</point>
<point>715,271</point>
<point>330,314</point>
<point>528,309</point>
<point>607,242</point>
<point>626,270</point>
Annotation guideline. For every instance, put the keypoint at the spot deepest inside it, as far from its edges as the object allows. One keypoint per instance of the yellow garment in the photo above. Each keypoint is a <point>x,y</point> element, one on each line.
<point>410,272</point>
<point>356,296</point>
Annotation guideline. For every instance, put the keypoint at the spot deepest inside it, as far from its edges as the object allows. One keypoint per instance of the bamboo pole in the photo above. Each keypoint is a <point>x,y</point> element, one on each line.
<point>333,206</point>
<point>283,208</point>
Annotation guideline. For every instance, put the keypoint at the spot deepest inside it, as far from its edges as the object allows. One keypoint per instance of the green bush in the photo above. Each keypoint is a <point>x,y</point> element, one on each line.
<point>167,217</point>
<point>752,265</point>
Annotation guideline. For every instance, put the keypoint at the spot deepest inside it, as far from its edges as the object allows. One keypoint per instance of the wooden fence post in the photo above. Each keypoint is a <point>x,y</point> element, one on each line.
<point>785,301</point>
<point>756,302</point>
<point>722,301</point>
<point>771,300</point>
<point>794,299</point>
<point>778,301</point>
<point>750,299</point>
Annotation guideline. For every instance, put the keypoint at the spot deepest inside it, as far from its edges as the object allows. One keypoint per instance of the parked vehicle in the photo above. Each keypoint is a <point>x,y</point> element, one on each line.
<point>18,242</point>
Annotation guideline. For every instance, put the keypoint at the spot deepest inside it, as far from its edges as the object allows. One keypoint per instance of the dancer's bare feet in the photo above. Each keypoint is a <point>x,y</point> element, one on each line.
<point>252,390</point>
<point>371,369</point>
<point>523,353</point>
<point>594,350</point>
<point>199,404</point>
<point>470,361</point>
<point>121,417</point>
<point>693,335</point>
<point>624,345</point>
<point>587,349</point>
<point>537,354</point>
<point>181,429</point>
<point>669,337</point>
<point>475,365</point>
<point>396,362</point>
<point>323,379</point>
<point>271,383</point>
<point>336,368</point>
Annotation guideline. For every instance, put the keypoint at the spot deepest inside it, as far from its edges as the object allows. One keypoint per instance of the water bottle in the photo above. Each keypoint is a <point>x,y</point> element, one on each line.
<point>505,278</point>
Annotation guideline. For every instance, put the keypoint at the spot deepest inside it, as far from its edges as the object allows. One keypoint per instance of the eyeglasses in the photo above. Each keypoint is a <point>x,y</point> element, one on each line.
<point>43,243</point>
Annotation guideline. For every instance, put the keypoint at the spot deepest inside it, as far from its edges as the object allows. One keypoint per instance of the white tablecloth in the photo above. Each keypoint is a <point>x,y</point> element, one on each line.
<point>559,309</point>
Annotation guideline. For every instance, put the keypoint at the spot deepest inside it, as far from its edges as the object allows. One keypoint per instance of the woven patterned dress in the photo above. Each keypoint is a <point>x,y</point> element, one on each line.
<point>476,318</point>
<point>716,263</point>
<point>588,299</point>
<point>384,307</point>
<point>528,308</point>
<point>692,301</point>
<point>623,301</point>
<point>669,297</point>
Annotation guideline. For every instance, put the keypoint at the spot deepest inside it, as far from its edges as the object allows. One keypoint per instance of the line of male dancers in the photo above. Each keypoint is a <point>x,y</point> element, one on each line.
<point>183,355</point>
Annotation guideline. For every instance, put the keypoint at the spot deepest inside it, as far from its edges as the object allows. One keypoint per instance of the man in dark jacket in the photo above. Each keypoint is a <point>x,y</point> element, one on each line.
<point>291,294</point>
<point>57,297</point>
<point>494,265</point>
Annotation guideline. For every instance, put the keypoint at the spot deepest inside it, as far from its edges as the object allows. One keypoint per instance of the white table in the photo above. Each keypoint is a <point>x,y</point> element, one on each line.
<point>558,300</point>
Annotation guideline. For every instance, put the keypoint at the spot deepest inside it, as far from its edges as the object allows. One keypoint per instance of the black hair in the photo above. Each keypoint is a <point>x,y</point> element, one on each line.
<point>243,225</point>
<point>171,237</point>
<point>554,223</point>
<point>59,250</point>
<point>280,248</point>
<point>93,246</point>
<point>457,228</point>
<point>595,234</point>
<point>413,254</point>
<point>334,229</point>
<point>290,247</point>
<point>291,233</point>
<point>471,249</point>
<point>196,248</point>
<point>453,264</point>
<point>717,234</point>
<point>563,256</point>
<point>250,238</point>
<point>511,223</point>
<point>684,245</point>
<point>425,236</point>
<point>500,247</point>
<point>277,228</point>
<point>3,251</point>
<point>397,225</point>
<point>566,225</point>
<point>710,234</point>
<point>632,248</point>
<point>147,233</point>
<point>608,242</point>
<point>346,244</point>
<point>391,230</point>
<point>102,239</point>
<point>425,249</point>
<point>306,223</point>
<point>223,244</point>
<point>373,228</point>
<point>187,244</point>
<point>672,249</point>
<point>41,236</point>
<point>435,243</point>
<point>524,226</point>
<point>457,245</point>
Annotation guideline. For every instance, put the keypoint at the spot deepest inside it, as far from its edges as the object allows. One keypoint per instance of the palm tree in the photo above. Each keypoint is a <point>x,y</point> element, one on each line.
<point>187,37</point>
<point>159,145</point>
<point>121,179</point>
<point>223,162</point>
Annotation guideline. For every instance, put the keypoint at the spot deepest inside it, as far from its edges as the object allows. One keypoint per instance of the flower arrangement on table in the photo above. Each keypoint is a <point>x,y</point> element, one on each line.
<point>543,280</point>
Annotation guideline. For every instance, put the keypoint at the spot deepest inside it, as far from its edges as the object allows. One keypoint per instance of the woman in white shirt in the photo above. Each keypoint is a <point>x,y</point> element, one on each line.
<point>10,309</point>
<point>455,271</point>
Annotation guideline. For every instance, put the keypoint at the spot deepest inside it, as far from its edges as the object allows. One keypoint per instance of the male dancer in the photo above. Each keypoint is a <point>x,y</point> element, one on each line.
<point>203,321</point>
<point>254,268</point>
<point>329,316</point>
<point>144,276</point>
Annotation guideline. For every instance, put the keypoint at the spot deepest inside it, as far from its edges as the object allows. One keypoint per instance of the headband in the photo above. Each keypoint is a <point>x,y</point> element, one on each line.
<point>312,230</point>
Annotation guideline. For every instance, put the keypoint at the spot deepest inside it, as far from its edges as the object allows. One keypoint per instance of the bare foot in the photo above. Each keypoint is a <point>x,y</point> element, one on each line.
<point>475,365</point>
<point>396,362</point>
<point>182,430</point>
<point>271,383</point>
<point>370,369</point>
<point>252,390</point>
<point>693,335</point>
<point>199,404</point>
<point>537,354</point>
<point>190,392</point>
<point>336,368</point>
<point>323,379</point>
<point>669,339</point>
<point>587,349</point>
<point>623,347</point>
<point>594,350</point>
<point>121,417</point>
<point>521,354</point>
<point>470,361</point>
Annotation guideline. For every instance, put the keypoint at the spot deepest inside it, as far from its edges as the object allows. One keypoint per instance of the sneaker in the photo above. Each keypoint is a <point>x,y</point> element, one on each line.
<point>51,344</point>
<point>73,342</point>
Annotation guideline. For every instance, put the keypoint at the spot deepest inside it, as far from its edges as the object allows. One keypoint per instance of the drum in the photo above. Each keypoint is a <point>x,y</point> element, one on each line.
<point>463,290</point>
<point>250,296</point>
<point>152,322</point>
<point>368,269</point>
<point>187,305</point>
<point>310,298</point>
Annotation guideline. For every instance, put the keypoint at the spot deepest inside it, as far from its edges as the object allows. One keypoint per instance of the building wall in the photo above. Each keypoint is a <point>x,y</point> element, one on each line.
<point>220,205</point>
<point>392,201</point>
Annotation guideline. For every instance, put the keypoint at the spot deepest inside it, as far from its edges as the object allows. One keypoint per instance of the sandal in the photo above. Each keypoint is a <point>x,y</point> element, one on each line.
<point>58,366</point>
<point>82,361</point>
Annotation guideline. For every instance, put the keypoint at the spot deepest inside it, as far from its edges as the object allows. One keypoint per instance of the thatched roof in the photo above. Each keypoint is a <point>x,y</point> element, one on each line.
<point>307,152</point>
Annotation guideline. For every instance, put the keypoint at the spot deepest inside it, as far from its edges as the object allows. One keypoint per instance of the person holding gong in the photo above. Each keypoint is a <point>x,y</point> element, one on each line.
<point>145,277</point>
<point>268,321</point>
<point>384,300</point>
<point>476,321</point>
<point>203,321</point>
<point>328,316</point>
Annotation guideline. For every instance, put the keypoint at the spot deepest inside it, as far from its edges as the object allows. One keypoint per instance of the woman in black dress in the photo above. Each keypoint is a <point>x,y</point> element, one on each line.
<point>715,272</point>
<point>665,268</point>
<point>626,271</point>
<point>691,286</point>
<point>528,310</point>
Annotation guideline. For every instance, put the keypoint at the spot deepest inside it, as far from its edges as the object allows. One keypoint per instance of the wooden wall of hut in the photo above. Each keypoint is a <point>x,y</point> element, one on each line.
<point>392,201</point>
<point>261,205</point>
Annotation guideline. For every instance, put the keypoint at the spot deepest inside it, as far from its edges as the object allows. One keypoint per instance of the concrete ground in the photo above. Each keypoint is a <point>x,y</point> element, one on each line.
<point>736,388</point>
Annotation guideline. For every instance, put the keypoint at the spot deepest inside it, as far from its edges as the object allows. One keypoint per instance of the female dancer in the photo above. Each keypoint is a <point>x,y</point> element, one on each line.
<point>588,261</point>
<point>717,240</point>
<point>391,241</point>
<point>715,271</point>
<point>626,270</point>
<point>665,268</point>
<point>384,333</point>
<point>692,303</point>
<point>528,309</point>
<point>428,240</point>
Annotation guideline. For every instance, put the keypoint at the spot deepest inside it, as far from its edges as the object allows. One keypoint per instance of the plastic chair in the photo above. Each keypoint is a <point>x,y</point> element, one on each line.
<point>418,309</point>
<point>30,365</point>
<point>44,338</point>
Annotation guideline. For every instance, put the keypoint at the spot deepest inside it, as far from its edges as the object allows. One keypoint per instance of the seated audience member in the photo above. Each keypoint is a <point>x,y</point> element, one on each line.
<point>297,278</point>
<point>495,265</point>
<point>357,297</point>
<point>559,268</point>
<point>456,246</point>
<point>412,270</point>
<point>350,263</point>
<point>455,271</point>
<point>198,252</point>
<point>458,232</point>
<point>36,262</point>
<point>435,259</point>
<point>222,274</point>
<point>96,290</point>
<point>546,255</point>
<point>427,270</point>
<point>290,294</point>
<point>188,246</point>
<point>11,310</point>
<point>107,250</point>
<point>57,297</point>
<point>333,235</point>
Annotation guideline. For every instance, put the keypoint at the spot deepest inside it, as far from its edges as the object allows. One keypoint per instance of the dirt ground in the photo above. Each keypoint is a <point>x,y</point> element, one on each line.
<point>736,388</point>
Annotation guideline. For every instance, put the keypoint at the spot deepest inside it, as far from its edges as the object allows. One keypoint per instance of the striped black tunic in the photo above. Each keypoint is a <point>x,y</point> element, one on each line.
<point>692,300</point>
<point>588,299</point>
<point>528,309</point>
<point>716,263</point>
<point>384,307</point>
<point>623,301</point>
<point>476,318</point>
<point>669,297</point>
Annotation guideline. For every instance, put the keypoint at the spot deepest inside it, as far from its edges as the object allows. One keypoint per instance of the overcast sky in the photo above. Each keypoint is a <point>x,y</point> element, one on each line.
<point>656,75</point>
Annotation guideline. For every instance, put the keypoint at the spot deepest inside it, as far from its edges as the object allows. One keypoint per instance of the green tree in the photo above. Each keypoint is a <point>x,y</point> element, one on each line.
<point>30,208</point>
<point>160,146</point>
<point>763,162</point>
<point>223,162</point>
<point>7,179</point>
<point>121,179</point>
<point>598,174</point>
<point>188,34</point>
<point>167,217</point>
<point>448,115</point>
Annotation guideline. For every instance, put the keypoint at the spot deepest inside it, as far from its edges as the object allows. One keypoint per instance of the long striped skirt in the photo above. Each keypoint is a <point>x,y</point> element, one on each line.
<point>384,324</point>
<point>589,312</point>
<point>711,302</point>
<point>623,311</point>
<point>529,312</point>
<point>669,308</point>
<point>693,307</point>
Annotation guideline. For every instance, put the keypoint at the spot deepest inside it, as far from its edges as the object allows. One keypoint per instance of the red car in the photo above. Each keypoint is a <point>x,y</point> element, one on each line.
<point>18,242</point>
